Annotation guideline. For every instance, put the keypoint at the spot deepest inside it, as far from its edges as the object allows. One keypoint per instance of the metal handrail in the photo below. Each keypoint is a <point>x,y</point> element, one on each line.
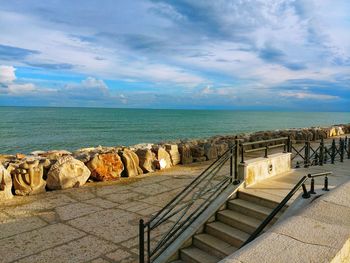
<point>285,200</point>
<point>286,144</point>
<point>198,195</point>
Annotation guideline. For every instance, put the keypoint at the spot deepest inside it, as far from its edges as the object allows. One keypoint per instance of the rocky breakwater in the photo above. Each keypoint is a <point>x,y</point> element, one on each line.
<point>40,171</point>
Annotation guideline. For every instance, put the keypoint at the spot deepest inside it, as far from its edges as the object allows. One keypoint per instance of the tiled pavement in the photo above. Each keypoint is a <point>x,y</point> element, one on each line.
<point>95,223</point>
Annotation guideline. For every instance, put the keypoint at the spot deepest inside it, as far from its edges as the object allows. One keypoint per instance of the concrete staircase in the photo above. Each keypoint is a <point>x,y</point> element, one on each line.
<point>231,227</point>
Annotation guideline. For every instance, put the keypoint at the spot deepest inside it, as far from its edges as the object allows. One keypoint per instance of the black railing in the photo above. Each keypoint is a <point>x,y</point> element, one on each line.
<point>318,154</point>
<point>187,206</point>
<point>279,207</point>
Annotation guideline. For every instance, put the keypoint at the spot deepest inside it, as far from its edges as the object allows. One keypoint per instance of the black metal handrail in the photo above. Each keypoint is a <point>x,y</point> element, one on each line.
<point>187,206</point>
<point>265,145</point>
<point>306,194</point>
<point>320,154</point>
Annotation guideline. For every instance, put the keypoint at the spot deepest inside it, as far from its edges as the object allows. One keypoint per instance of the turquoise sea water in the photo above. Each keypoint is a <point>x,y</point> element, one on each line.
<point>25,129</point>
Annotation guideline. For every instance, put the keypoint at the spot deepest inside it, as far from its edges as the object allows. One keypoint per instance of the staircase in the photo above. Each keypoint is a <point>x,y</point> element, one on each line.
<point>230,229</point>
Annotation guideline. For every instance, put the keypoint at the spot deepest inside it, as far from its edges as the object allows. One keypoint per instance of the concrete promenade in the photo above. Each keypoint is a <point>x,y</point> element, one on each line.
<point>99,222</point>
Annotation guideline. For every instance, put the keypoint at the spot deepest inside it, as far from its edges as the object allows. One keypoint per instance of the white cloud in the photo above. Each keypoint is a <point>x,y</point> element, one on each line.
<point>306,95</point>
<point>7,74</point>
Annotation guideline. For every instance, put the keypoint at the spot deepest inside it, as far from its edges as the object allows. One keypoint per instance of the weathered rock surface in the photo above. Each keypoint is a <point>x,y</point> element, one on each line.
<point>5,184</point>
<point>210,151</point>
<point>173,151</point>
<point>185,154</point>
<point>131,163</point>
<point>146,160</point>
<point>106,166</point>
<point>67,172</point>
<point>28,176</point>
<point>162,158</point>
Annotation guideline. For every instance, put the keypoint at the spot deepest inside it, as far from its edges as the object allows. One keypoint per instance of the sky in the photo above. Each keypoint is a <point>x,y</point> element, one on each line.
<point>188,54</point>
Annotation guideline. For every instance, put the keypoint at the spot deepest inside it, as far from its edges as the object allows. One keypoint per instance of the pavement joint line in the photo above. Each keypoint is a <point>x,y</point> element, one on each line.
<point>304,242</point>
<point>40,251</point>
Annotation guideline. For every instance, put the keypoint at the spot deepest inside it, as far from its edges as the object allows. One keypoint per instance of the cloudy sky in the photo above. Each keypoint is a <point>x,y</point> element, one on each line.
<point>238,54</point>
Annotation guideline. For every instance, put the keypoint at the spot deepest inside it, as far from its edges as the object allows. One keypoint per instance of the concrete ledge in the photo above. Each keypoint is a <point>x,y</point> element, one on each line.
<point>318,233</point>
<point>258,169</point>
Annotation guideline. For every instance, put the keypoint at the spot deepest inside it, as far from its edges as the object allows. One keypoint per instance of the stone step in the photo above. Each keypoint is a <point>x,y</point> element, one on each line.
<point>227,233</point>
<point>195,255</point>
<point>213,245</point>
<point>272,202</point>
<point>237,220</point>
<point>250,209</point>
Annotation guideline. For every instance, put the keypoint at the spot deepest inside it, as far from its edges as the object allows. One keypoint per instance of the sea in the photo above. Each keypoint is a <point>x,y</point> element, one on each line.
<point>27,129</point>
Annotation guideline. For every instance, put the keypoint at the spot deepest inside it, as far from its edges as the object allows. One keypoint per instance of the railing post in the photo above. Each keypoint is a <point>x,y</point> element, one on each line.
<point>341,146</point>
<point>312,187</point>
<point>266,151</point>
<point>320,162</point>
<point>141,241</point>
<point>231,164</point>
<point>348,146</point>
<point>305,192</point>
<point>289,144</point>
<point>236,180</point>
<point>242,153</point>
<point>148,243</point>
<point>333,151</point>
<point>307,154</point>
<point>325,188</point>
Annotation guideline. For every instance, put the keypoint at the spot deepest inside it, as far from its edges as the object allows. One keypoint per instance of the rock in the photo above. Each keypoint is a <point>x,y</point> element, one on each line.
<point>28,177</point>
<point>20,156</point>
<point>146,160</point>
<point>185,154</point>
<point>106,166</point>
<point>210,151</point>
<point>197,151</point>
<point>5,184</point>
<point>221,148</point>
<point>131,163</point>
<point>162,158</point>
<point>173,151</point>
<point>67,172</point>
<point>55,154</point>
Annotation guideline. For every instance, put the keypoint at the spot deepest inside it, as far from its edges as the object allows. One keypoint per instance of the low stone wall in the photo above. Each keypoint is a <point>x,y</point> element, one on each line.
<point>320,232</point>
<point>258,169</point>
<point>60,169</point>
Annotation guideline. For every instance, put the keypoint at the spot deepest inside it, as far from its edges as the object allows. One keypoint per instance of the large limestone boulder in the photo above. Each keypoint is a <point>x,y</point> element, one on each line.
<point>106,166</point>
<point>146,160</point>
<point>5,184</point>
<point>163,159</point>
<point>28,177</point>
<point>210,151</point>
<point>67,172</point>
<point>185,154</point>
<point>173,151</point>
<point>131,163</point>
<point>54,154</point>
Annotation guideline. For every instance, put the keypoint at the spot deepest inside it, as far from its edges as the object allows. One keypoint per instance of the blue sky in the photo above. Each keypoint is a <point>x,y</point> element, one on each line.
<point>267,54</point>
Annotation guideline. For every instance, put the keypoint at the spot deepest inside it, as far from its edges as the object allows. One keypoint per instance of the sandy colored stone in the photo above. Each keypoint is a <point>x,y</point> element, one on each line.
<point>173,151</point>
<point>28,177</point>
<point>119,255</point>
<point>210,151</point>
<point>67,172</point>
<point>163,159</point>
<point>185,154</point>
<point>131,163</point>
<point>5,184</point>
<point>146,160</point>
<point>106,167</point>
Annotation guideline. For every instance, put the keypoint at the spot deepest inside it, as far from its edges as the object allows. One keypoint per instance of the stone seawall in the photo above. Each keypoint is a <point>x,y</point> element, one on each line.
<point>39,171</point>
